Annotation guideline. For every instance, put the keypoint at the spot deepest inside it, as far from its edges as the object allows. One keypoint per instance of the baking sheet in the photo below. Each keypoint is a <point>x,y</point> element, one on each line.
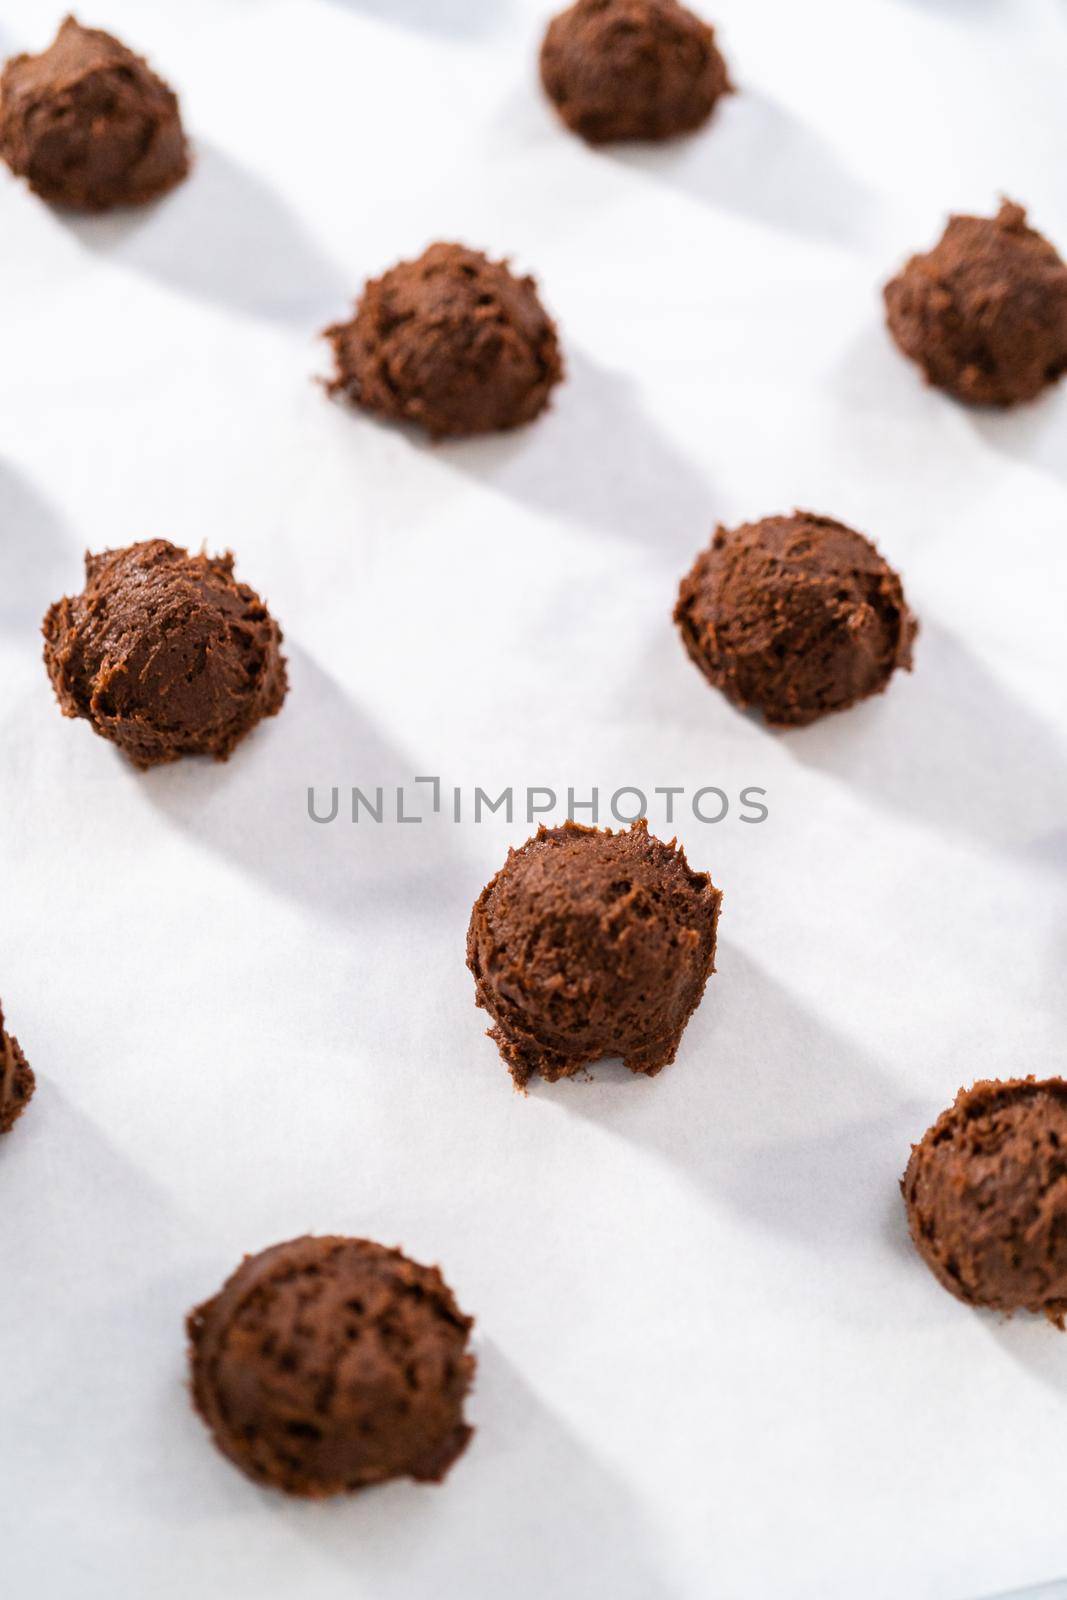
<point>710,1365</point>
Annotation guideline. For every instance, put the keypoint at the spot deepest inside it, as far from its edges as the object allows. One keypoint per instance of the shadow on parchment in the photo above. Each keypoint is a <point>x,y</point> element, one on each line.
<point>39,555</point>
<point>793,1124</point>
<point>947,744</point>
<point>552,1518</point>
<point>759,161</point>
<point>595,457</point>
<point>225,237</point>
<point>253,809</point>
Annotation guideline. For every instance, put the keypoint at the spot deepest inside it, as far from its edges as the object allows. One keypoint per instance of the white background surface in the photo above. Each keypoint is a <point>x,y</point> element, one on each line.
<point>711,1367</point>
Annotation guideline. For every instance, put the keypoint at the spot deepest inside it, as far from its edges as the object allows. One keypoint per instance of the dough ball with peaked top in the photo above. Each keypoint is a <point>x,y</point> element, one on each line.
<point>984,313</point>
<point>89,125</point>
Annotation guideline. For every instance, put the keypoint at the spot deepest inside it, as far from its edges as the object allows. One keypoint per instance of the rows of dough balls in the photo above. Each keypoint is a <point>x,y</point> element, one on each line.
<point>329,1364</point>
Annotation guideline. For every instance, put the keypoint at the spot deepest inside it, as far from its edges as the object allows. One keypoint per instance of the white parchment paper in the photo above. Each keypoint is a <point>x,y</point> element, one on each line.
<point>711,1367</point>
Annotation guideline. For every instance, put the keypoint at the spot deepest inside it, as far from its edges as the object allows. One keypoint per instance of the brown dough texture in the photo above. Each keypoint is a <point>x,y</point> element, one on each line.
<point>632,69</point>
<point>984,313</point>
<point>453,342</point>
<point>986,1195</point>
<point>589,944</point>
<point>17,1082</point>
<point>165,653</point>
<point>794,616</point>
<point>89,125</point>
<point>326,1364</point>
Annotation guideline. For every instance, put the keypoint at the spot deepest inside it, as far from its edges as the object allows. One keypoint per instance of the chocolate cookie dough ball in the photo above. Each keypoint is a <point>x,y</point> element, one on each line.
<point>632,69</point>
<point>327,1365</point>
<point>89,125</point>
<point>984,313</point>
<point>165,653</point>
<point>589,944</point>
<point>453,341</point>
<point>16,1080</point>
<point>794,616</point>
<point>986,1194</point>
